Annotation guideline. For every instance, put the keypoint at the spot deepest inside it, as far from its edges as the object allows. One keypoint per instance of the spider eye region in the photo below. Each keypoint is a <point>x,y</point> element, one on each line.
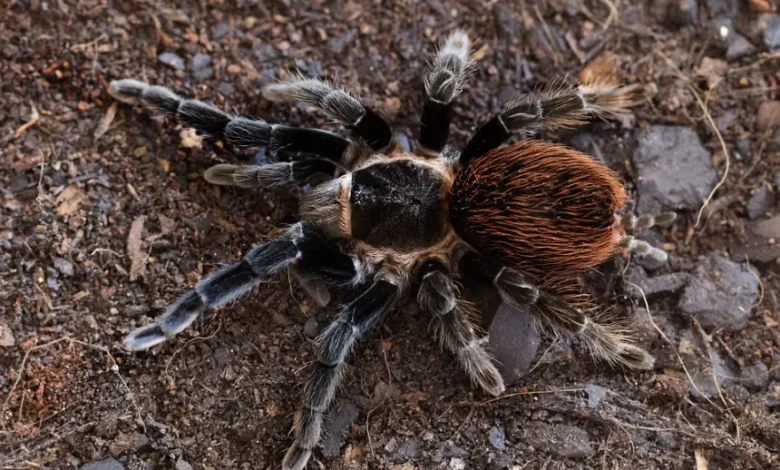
<point>543,207</point>
<point>397,204</point>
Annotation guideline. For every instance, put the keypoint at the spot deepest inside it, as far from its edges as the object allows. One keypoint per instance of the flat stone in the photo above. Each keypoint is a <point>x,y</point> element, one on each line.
<point>6,336</point>
<point>739,47</point>
<point>171,60</point>
<point>663,283</point>
<point>497,438</point>
<point>596,395</point>
<point>705,387</point>
<point>674,170</point>
<point>182,464</point>
<point>560,439</point>
<point>447,450</point>
<point>720,294</point>
<point>514,339</point>
<point>408,450</point>
<point>339,417</point>
<point>756,377</point>
<point>64,266</point>
<point>771,34</point>
<point>760,202</point>
<point>107,464</point>
<point>761,242</point>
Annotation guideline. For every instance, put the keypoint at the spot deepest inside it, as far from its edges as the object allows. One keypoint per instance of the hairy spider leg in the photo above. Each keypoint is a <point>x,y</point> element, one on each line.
<point>333,346</point>
<point>605,341</point>
<point>455,325</point>
<point>442,82</point>
<point>301,244</point>
<point>337,103</point>
<point>243,133</point>
<point>556,106</point>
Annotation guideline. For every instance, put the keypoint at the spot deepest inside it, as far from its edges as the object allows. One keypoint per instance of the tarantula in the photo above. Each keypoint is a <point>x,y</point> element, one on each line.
<point>525,217</point>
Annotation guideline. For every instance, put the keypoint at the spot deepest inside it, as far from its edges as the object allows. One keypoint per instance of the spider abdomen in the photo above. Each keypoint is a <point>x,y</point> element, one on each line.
<point>541,207</point>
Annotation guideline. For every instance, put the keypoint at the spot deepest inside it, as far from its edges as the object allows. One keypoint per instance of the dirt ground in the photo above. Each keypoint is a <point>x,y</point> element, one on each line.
<point>106,220</point>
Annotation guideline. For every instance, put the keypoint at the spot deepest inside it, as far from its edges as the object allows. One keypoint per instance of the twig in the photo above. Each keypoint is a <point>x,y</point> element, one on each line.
<point>708,347</point>
<point>715,130</point>
<point>533,392</point>
<point>35,116</point>
<point>389,388</point>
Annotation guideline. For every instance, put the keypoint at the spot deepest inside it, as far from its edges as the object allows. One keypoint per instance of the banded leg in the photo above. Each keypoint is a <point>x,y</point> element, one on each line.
<point>283,174</point>
<point>301,244</point>
<point>333,346</point>
<point>555,106</point>
<point>337,103</point>
<point>243,133</point>
<point>632,225</point>
<point>443,82</point>
<point>456,327</point>
<point>606,341</point>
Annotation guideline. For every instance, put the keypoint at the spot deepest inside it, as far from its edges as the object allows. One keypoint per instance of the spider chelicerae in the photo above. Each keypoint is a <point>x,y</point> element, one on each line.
<point>526,217</point>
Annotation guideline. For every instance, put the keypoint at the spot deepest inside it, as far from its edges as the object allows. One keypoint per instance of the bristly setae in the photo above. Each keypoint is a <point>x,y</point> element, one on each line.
<point>525,217</point>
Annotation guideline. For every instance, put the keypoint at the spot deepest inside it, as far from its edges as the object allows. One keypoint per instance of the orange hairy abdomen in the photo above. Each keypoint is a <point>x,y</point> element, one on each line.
<point>540,207</point>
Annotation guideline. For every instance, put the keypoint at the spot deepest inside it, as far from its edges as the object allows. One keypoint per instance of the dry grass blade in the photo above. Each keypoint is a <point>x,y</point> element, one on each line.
<point>134,247</point>
<point>105,123</point>
<point>705,110</point>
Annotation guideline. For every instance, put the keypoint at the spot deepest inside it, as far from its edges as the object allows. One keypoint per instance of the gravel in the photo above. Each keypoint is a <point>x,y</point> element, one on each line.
<point>107,464</point>
<point>760,202</point>
<point>674,170</point>
<point>720,293</point>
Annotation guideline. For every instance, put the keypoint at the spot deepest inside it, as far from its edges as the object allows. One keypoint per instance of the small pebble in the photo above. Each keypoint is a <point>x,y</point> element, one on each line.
<point>771,34</point>
<point>457,464</point>
<point>107,464</point>
<point>497,438</point>
<point>739,47</point>
<point>760,202</point>
<point>182,464</point>
<point>596,395</point>
<point>226,89</point>
<point>6,336</point>
<point>172,60</point>
<point>64,266</point>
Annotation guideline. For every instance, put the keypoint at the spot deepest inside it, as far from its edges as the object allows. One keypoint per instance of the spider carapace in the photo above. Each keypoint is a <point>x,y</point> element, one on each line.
<point>525,217</point>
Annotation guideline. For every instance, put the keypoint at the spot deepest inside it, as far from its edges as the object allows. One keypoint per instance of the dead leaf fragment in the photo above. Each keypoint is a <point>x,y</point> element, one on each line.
<point>768,115</point>
<point>135,247</point>
<point>701,460</point>
<point>105,123</point>
<point>69,200</point>
<point>190,139</point>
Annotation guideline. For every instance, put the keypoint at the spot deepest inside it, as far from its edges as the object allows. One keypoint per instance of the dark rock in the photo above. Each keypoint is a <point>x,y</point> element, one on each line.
<point>722,7</point>
<point>760,242</point>
<point>497,438</point>
<point>171,60</point>
<point>339,417</point>
<point>658,284</point>
<point>771,35</point>
<point>226,89</point>
<point>743,147</point>
<point>560,439</point>
<point>407,451</point>
<point>221,30</point>
<point>200,62</point>
<point>755,377</point>
<point>674,170</point>
<point>760,202</point>
<point>514,338</point>
<point>705,387</point>
<point>182,464</point>
<point>596,395</point>
<point>683,13</point>
<point>447,450</point>
<point>312,327</point>
<point>340,43</point>
<point>720,293</point>
<point>64,266</point>
<point>739,47</point>
<point>107,464</point>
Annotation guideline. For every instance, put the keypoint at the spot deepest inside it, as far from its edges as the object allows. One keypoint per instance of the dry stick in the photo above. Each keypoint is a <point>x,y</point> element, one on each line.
<point>532,392</point>
<point>171,382</point>
<point>706,339</point>
<point>666,338</point>
<point>34,117</point>
<point>714,127</point>
<point>389,391</point>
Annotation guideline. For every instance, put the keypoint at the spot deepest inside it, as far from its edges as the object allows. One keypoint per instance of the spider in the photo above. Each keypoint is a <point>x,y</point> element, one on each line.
<point>526,217</point>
